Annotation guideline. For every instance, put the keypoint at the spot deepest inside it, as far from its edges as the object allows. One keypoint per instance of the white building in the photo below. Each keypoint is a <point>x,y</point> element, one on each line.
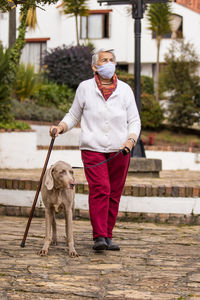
<point>110,27</point>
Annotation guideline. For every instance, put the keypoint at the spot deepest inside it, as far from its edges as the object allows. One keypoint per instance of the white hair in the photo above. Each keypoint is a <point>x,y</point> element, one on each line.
<point>95,56</point>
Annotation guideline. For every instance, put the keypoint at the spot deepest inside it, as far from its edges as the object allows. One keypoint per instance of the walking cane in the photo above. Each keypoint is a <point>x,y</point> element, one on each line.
<point>38,189</point>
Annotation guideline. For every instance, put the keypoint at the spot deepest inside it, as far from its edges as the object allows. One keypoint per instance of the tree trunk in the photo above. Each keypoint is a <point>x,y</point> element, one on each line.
<point>12,28</point>
<point>77,35</point>
<point>158,41</point>
<point>16,50</point>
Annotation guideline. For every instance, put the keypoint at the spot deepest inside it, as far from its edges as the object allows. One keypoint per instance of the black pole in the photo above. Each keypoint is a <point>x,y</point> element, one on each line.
<point>137,14</point>
<point>137,64</point>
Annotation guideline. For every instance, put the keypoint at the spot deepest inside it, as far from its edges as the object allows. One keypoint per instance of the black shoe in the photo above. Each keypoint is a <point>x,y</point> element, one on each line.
<point>111,246</point>
<point>100,244</point>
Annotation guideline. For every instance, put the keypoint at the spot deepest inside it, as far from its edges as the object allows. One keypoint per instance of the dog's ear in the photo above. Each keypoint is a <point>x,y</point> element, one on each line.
<point>49,182</point>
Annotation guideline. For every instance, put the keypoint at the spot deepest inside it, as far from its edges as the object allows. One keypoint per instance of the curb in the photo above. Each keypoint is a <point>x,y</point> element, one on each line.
<point>159,218</point>
<point>137,190</point>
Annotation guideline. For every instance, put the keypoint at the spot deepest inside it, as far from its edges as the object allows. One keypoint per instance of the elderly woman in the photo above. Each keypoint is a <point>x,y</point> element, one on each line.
<point>109,121</point>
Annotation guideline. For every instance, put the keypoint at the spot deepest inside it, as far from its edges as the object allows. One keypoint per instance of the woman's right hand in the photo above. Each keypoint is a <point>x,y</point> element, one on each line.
<point>58,128</point>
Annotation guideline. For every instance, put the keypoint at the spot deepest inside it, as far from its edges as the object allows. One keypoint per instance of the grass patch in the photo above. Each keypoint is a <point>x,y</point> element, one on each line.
<point>167,137</point>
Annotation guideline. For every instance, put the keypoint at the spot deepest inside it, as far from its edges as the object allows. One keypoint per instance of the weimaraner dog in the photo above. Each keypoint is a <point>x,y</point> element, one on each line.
<point>58,191</point>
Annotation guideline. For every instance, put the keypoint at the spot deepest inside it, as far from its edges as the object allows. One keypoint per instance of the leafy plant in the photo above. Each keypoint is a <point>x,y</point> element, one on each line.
<point>75,8</point>
<point>5,109</point>
<point>180,79</point>
<point>15,125</point>
<point>27,82</point>
<point>158,15</point>
<point>68,65</point>
<point>147,84</point>
<point>151,112</point>
<point>30,111</point>
<point>52,94</point>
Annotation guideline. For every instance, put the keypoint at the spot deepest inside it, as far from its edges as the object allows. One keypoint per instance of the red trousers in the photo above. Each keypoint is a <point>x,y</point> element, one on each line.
<point>106,183</point>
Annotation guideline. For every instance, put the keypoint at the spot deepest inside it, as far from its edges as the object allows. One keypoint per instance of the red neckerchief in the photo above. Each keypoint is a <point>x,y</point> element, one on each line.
<point>106,90</point>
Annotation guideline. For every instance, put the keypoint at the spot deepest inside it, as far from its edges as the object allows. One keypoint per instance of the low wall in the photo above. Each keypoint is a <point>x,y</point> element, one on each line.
<point>171,204</point>
<point>19,150</point>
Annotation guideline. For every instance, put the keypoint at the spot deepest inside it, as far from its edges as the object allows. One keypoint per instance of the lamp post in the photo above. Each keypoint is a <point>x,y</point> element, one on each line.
<point>138,8</point>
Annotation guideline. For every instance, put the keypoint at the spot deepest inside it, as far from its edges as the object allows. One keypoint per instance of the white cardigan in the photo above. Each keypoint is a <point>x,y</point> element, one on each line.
<point>105,125</point>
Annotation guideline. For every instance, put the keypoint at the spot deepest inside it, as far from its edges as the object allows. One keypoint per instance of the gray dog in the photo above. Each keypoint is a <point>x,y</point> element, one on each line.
<point>58,191</point>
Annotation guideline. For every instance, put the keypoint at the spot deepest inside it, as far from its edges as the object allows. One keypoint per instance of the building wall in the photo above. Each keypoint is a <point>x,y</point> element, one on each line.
<point>61,30</point>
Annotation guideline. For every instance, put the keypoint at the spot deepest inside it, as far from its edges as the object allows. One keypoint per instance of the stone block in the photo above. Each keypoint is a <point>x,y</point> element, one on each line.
<point>27,185</point>
<point>8,184</point>
<point>181,191</point>
<point>188,191</point>
<point>142,190</point>
<point>135,190</point>
<point>168,190</point>
<point>21,184</point>
<point>2,183</point>
<point>175,191</point>
<point>15,184</point>
<point>2,210</point>
<point>86,189</point>
<point>154,190</point>
<point>127,190</point>
<point>161,190</point>
<point>34,185</point>
<point>80,188</point>
<point>195,191</point>
<point>145,167</point>
<point>148,190</point>
<point>13,211</point>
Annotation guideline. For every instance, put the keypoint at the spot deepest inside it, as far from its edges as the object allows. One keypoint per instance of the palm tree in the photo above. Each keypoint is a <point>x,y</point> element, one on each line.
<point>75,8</point>
<point>159,15</point>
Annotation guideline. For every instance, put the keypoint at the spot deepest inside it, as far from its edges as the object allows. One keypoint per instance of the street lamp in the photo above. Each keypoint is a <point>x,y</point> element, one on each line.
<point>138,9</point>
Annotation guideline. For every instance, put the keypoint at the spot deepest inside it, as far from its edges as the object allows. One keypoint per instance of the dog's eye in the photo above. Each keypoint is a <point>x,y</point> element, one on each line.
<point>63,172</point>
<point>71,172</point>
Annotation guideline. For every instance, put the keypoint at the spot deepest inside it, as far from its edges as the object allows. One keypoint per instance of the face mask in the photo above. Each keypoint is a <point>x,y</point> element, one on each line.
<point>106,71</point>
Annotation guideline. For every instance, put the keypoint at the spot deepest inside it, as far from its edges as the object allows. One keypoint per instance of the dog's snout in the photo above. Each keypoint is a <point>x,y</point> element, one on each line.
<point>72,184</point>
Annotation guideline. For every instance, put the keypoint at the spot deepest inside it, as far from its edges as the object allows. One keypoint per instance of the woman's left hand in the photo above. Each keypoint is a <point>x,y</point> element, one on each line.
<point>129,144</point>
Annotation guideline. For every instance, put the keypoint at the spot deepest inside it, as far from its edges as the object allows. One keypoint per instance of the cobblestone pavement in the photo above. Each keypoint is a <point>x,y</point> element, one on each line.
<point>158,262</point>
<point>179,177</point>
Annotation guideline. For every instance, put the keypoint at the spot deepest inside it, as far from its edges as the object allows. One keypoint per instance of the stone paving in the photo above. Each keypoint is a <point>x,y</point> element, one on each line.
<point>158,262</point>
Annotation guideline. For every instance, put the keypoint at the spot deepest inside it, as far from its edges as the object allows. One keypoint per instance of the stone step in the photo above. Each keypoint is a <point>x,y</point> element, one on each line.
<point>136,190</point>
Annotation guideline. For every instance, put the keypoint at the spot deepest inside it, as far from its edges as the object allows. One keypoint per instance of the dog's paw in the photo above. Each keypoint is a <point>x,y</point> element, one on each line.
<point>43,252</point>
<point>54,242</point>
<point>73,253</point>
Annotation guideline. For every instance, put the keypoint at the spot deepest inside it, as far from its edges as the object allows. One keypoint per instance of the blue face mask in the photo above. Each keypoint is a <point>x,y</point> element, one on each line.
<point>106,71</point>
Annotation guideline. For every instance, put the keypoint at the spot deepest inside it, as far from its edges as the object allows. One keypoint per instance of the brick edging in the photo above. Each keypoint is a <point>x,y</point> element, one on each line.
<point>150,148</point>
<point>136,190</point>
<point>160,218</point>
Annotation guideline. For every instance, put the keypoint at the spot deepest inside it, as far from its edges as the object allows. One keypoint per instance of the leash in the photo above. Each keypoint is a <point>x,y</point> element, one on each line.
<point>124,151</point>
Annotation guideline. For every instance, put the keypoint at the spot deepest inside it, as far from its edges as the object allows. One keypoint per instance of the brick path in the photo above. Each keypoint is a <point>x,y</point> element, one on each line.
<point>158,262</point>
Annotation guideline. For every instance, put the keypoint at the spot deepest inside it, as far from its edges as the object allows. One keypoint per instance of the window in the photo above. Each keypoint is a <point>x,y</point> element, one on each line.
<point>95,25</point>
<point>33,52</point>
<point>176,24</point>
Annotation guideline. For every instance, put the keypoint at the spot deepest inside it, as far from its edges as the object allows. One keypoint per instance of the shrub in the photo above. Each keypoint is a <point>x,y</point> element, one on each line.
<point>147,84</point>
<point>180,79</point>
<point>27,82</point>
<point>13,125</point>
<point>68,65</point>
<point>52,94</point>
<point>151,112</point>
<point>30,111</point>
<point>5,108</point>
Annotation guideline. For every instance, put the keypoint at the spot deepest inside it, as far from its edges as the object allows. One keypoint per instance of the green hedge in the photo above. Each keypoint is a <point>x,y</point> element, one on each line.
<point>147,84</point>
<point>31,111</point>
<point>151,112</point>
<point>22,126</point>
